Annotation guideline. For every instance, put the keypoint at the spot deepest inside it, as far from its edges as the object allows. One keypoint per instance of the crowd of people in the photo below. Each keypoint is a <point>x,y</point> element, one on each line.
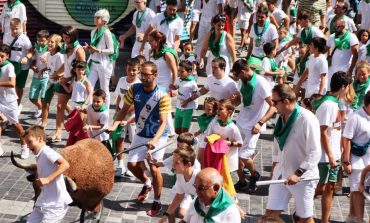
<point>303,70</point>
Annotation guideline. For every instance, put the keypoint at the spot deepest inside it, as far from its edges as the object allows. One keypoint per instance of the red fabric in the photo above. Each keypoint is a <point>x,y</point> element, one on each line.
<point>227,24</point>
<point>213,154</point>
<point>74,125</point>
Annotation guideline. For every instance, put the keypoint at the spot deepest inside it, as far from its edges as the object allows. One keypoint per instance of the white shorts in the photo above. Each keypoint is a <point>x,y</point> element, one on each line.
<point>139,154</point>
<point>354,180</point>
<point>243,24</point>
<point>303,193</point>
<point>10,110</point>
<point>47,215</point>
<point>131,128</point>
<point>248,148</point>
<point>185,203</point>
<point>195,15</point>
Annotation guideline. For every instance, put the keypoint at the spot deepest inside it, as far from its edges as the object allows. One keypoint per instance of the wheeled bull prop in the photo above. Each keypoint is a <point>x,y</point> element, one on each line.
<point>90,176</point>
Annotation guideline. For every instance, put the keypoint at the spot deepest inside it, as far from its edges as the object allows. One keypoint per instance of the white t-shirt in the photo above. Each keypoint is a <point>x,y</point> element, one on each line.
<point>185,91</point>
<point>316,32</point>
<point>191,58</point>
<point>122,88</point>
<point>243,13</point>
<point>229,132</point>
<point>358,130</point>
<point>149,15</point>
<point>173,29</point>
<point>183,187</point>
<point>40,65</point>
<point>266,64</point>
<point>19,49</point>
<point>268,36</point>
<point>98,118</point>
<point>364,11</point>
<point>55,193</point>
<point>279,15</point>
<point>18,11</point>
<point>251,114</point>
<point>210,9</point>
<point>328,115</point>
<point>316,66</point>
<point>350,25</point>
<point>53,63</point>
<point>7,94</point>
<point>221,88</point>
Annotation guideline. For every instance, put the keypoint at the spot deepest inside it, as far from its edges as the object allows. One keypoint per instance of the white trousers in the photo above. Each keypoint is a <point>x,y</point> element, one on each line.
<point>103,74</point>
<point>47,215</point>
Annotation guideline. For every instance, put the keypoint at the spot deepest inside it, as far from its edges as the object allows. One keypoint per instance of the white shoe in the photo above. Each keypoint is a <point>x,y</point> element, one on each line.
<point>20,109</point>
<point>2,152</point>
<point>37,113</point>
<point>25,153</point>
<point>129,174</point>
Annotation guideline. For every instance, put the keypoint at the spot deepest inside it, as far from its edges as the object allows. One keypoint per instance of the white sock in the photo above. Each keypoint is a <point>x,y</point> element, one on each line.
<point>120,163</point>
<point>157,200</point>
<point>148,182</point>
<point>24,146</point>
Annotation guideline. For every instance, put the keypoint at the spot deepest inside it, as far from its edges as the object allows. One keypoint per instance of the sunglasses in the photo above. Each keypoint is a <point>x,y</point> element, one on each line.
<point>202,187</point>
<point>275,102</point>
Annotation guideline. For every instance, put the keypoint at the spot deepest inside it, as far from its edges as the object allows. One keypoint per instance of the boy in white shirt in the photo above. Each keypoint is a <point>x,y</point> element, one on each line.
<point>281,18</point>
<point>328,114</point>
<point>273,73</point>
<point>8,98</point>
<point>20,55</point>
<point>52,203</point>
<point>316,69</point>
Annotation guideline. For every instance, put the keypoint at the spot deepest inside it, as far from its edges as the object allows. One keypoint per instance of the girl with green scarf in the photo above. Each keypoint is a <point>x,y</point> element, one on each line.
<point>13,9</point>
<point>361,83</point>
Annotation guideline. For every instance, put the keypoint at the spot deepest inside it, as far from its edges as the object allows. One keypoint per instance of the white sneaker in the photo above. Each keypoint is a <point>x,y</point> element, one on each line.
<point>129,174</point>
<point>2,152</point>
<point>25,153</point>
<point>119,172</point>
<point>37,113</point>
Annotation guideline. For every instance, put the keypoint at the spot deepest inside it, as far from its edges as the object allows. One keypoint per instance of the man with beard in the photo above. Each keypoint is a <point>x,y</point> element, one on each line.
<point>255,94</point>
<point>152,106</point>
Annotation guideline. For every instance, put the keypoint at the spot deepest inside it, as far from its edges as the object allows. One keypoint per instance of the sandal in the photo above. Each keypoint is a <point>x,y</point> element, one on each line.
<point>55,138</point>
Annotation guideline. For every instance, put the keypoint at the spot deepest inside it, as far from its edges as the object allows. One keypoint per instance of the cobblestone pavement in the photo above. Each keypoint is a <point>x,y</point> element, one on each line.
<point>120,206</point>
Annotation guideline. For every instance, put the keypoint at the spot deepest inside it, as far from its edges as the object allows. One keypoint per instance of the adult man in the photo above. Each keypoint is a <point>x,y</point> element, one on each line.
<point>356,142</point>
<point>152,106</point>
<point>316,9</point>
<point>140,23</point>
<point>213,204</point>
<point>296,153</point>
<point>169,23</point>
<point>327,112</point>
<point>340,10</point>
<point>255,94</point>
<point>343,48</point>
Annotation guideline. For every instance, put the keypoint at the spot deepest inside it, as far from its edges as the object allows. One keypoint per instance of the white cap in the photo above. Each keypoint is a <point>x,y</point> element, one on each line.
<point>104,14</point>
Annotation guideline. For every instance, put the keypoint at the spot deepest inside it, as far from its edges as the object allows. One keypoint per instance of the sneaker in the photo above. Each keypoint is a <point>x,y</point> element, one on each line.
<point>119,172</point>
<point>25,153</point>
<point>129,174</point>
<point>155,210</point>
<point>2,152</point>
<point>246,171</point>
<point>144,193</point>
<point>253,180</point>
<point>240,185</point>
<point>37,113</point>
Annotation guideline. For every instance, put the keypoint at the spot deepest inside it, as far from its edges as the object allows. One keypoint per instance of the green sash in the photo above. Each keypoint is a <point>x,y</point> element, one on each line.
<point>11,6</point>
<point>215,45</point>
<point>97,36</point>
<point>64,49</point>
<point>6,62</point>
<point>301,65</point>
<point>284,40</point>
<point>331,28</point>
<point>188,78</point>
<point>17,67</point>
<point>342,42</point>
<point>368,49</point>
<point>101,109</point>
<point>204,120</point>
<point>282,130</point>
<point>139,20</point>
<point>164,50</point>
<point>247,90</point>
<point>260,34</point>
<point>306,38</point>
<point>188,55</point>
<point>168,19</point>
<point>274,67</point>
<point>360,90</point>
<point>40,49</point>
<point>223,124</point>
<point>249,5</point>
<point>220,204</point>
<point>316,104</point>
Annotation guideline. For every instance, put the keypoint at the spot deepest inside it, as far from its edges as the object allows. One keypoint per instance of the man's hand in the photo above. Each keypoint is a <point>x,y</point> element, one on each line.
<point>256,129</point>
<point>348,168</point>
<point>184,104</point>
<point>292,179</point>
<point>151,144</point>
<point>42,181</point>
<point>333,163</point>
<point>24,60</point>
<point>122,39</point>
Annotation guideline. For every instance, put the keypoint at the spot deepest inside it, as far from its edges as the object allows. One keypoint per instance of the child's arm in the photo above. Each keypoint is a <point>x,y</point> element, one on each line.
<point>10,83</point>
<point>274,73</point>
<point>364,172</point>
<point>63,165</point>
<point>89,94</point>
<point>67,88</point>
<point>322,83</point>
<point>29,55</point>
<point>301,80</point>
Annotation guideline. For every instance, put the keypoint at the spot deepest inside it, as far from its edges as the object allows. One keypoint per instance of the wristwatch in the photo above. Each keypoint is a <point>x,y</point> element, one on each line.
<point>299,172</point>
<point>260,123</point>
<point>347,163</point>
<point>166,214</point>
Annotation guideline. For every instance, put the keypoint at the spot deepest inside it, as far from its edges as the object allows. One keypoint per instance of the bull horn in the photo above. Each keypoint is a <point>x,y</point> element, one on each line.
<point>71,185</point>
<point>28,167</point>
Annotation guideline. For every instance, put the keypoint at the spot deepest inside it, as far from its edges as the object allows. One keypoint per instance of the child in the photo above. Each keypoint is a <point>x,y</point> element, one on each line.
<point>190,56</point>
<point>362,82</point>
<point>41,74</point>
<point>52,203</point>
<point>20,55</point>
<point>13,9</point>
<point>98,118</point>
<point>245,9</point>
<point>281,18</point>
<point>316,69</point>
<point>54,66</point>
<point>8,97</point>
<point>185,105</point>
<point>363,37</point>
<point>300,67</point>
<point>124,83</point>
<point>272,72</point>
<point>284,59</point>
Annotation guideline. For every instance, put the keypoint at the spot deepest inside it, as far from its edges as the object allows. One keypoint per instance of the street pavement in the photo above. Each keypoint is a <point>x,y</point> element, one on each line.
<point>16,192</point>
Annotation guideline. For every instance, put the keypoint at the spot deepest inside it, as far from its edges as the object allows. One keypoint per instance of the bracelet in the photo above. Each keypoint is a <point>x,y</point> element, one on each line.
<point>231,144</point>
<point>347,163</point>
<point>260,123</point>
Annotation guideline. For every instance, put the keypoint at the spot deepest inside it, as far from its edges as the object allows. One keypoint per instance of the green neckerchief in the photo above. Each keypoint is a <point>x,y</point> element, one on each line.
<point>97,36</point>
<point>40,49</point>
<point>168,19</point>
<point>64,49</point>
<point>223,124</point>
<point>247,90</point>
<point>274,67</point>
<point>204,120</point>
<point>360,90</point>
<point>302,65</point>
<point>282,130</point>
<point>260,34</point>
<point>284,40</point>
<point>215,45</point>
<point>101,109</point>
<point>188,55</point>
<point>220,203</point>
<point>139,20</point>
<point>115,136</point>
<point>6,62</point>
<point>164,50</point>
<point>368,48</point>
<point>249,5</point>
<point>331,28</point>
<point>342,42</point>
<point>11,6</point>
<point>188,78</point>
<point>306,38</point>
<point>316,104</point>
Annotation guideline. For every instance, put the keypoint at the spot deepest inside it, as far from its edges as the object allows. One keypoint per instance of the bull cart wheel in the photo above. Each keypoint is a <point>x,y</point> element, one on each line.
<point>90,216</point>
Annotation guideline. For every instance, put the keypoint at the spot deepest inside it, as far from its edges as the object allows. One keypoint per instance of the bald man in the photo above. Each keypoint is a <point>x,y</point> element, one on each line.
<point>344,49</point>
<point>213,204</point>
